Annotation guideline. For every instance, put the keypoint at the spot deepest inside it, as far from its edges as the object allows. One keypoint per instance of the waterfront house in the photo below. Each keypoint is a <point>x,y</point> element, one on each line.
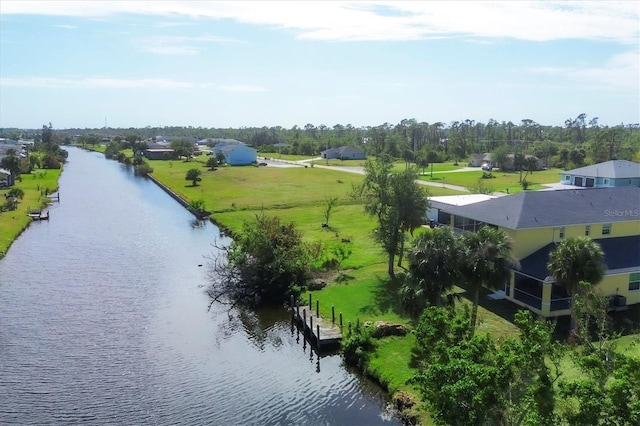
<point>536,221</point>
<point>344,153</point>
<point>608,174</point>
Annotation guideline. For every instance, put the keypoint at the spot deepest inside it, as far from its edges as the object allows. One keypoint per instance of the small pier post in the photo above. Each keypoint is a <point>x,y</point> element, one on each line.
<point>318,335</point>
<point>317,308</point>
<point>304,319</point>
<point>333,314</point>
<point>310,303</point>
<point>311,324</point>
<point>340,319</point>
<point>293,308</point>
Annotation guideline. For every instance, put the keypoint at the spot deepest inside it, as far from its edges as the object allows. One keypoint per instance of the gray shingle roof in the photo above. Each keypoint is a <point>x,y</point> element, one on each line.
<point>541,209</point>
<point>614,169</point>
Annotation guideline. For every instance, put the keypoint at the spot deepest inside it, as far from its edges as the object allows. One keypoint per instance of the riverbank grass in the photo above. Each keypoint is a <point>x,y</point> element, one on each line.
<point>34,185</point>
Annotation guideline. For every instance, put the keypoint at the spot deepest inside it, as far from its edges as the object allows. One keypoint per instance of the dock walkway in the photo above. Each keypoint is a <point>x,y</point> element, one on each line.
<point>320,331</point>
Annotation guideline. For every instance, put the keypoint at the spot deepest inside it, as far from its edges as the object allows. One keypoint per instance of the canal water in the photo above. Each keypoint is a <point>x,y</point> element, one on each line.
<point>104,319</point>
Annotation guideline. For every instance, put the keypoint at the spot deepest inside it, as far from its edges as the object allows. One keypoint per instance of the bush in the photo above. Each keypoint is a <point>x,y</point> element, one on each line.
<point>144,169</point>
<point>267,264</point>
<point>357,345</point>
<point>50,161</point>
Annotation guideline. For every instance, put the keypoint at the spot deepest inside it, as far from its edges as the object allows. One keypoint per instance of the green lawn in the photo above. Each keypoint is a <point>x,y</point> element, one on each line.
<point>507,182</point>
<point>12,223</point>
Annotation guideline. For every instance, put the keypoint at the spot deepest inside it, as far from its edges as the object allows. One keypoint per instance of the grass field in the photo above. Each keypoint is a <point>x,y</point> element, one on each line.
<point>507,182</point>
<point>12,223</point>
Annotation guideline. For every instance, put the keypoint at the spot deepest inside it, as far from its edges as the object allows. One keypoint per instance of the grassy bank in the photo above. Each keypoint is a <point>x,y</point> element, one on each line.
<point>12,223</point>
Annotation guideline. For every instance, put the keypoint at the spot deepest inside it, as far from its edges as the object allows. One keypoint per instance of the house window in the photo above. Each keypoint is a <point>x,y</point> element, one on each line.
<point>561,233</point>
<point>606,229</point>
<point>567,178</point>
<point>587,230</point>
<point>634,281</point>
<point>606,181</point>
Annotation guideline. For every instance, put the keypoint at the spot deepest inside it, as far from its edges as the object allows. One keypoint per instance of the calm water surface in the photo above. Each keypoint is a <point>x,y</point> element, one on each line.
<point>104,320</point>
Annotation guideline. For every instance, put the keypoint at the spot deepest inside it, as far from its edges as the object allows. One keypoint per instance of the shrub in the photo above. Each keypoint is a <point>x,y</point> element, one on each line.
<point>144,169</point>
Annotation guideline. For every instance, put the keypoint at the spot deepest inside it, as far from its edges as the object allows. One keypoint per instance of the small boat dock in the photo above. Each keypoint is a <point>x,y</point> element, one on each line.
<point>319,331</point>
<point>38,215</point>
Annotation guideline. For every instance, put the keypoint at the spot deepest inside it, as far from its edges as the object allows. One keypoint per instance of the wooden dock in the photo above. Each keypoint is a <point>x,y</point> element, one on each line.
<point>38,215</point>
<point>319,331</point>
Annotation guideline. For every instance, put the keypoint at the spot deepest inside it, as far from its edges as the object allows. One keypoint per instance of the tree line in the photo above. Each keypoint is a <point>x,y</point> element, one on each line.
<point>582,140</point>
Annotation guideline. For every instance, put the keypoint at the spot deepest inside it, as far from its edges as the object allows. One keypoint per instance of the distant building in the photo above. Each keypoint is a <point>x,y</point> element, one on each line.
<point>604,175</point>
<point>235,152</point>
<point>160,154</point>
<point>6,178</point>
<point>344,153</point>
<point>478,160</point>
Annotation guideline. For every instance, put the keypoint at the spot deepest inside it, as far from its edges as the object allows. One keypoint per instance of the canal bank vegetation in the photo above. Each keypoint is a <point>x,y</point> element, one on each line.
<point>491,371</point>
<point>34,172</point>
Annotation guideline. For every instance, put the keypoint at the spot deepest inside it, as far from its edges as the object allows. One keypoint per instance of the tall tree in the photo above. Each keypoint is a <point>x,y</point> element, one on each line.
<point>486,261</point>
<point>576,260</point>
<point>397,202</point>
<point>47,136</point>
<point>183,147</point>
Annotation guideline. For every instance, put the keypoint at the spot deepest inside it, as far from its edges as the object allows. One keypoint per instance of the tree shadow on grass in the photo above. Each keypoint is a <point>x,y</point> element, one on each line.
<point>504,308</point>
<point>385,297</point>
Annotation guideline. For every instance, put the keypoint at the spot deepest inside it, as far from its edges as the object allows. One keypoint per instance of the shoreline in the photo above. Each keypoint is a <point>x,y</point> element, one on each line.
<point>26,222</point>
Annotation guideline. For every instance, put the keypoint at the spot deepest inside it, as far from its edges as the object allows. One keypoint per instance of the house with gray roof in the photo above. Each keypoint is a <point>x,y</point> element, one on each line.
<point>235,153</point>
<point>602,175</point>
<point>344,153</point>
<point>537,221</point>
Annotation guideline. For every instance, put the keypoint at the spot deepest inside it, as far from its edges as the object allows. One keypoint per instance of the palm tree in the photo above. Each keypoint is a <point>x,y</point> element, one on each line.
<point>433,262</point>
<point>194,176</point>
<point>486,259</point>
<point>575,260</point>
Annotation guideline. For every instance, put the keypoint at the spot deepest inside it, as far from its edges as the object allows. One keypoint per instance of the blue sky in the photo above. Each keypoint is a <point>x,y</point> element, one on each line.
<point>235,64</point>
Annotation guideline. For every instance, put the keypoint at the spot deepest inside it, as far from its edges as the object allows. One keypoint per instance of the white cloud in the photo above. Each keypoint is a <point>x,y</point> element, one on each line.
<point>120,83</point>
<point>242,88</point>
<point>340,21</point>
<point>92,83</point>
<point>620,72</point>
<point>175,45</point>
<point>66,27</point>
